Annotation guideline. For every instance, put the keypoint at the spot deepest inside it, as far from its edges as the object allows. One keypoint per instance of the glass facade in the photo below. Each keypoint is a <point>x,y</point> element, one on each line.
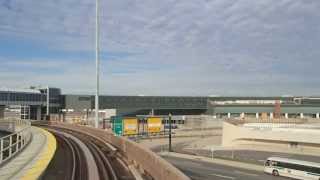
<point>4,96</point>
<point>20,97</point>
<point>31,98</point>
<point>156,102</point>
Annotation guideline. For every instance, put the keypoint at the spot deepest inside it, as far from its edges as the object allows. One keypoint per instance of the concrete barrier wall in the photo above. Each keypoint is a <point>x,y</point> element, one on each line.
<point>237,135</point>
<point>274,121</point>
<point>202,121</point>
<point>13,125</point>
<point>7,127</point>
<point>233,132</point>
<point>152,163</point>
<point>136,154</point>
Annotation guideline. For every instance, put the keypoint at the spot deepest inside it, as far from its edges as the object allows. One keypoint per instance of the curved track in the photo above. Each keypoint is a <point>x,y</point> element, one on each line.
<point>73,159</point>
<point>85,158</point>
<point>62,168</point>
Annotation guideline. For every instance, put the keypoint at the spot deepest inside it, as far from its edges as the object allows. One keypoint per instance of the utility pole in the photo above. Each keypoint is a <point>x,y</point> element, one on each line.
<point>48,103</point>
<point>96,124</point>
<point>170,128</point>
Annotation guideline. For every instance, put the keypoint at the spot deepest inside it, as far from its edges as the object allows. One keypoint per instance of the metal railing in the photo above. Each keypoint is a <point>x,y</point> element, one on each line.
<point>14,143</point>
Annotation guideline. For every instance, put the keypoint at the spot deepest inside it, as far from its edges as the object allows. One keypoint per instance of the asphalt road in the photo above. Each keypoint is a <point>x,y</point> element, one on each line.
<point>257,157</point>
<point>198,170</point>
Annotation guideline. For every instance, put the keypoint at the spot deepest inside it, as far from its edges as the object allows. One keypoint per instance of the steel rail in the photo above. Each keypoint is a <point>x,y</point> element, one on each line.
<point>82,173</point>
<point>85,165</point>
<point>103,163</point>
<point>73,153</point>
<point>107,164</point>
<point>99,160</point>
<point>93,142</point>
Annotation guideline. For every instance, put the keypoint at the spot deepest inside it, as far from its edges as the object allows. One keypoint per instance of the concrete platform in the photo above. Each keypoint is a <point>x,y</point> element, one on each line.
<point>33,160</point>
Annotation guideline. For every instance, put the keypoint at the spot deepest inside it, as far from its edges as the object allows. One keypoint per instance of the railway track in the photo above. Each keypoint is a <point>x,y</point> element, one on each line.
<point>87,158</point>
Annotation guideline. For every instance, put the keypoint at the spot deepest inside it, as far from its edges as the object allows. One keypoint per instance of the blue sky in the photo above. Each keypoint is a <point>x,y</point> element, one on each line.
<point>167,47</point>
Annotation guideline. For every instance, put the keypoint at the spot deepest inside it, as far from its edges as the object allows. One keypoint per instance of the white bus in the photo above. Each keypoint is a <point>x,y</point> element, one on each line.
<point>292,168</point>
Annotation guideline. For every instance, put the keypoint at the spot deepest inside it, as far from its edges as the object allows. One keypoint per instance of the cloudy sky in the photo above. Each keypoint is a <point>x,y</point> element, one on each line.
<point>163,47</point>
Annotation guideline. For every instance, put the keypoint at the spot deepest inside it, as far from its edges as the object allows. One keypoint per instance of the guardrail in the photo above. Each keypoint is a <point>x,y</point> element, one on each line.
<point>13,143</point>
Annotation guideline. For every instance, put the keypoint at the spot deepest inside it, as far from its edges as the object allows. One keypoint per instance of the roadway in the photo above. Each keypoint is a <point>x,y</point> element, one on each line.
<point>199,170</point>
<point>256,157</point>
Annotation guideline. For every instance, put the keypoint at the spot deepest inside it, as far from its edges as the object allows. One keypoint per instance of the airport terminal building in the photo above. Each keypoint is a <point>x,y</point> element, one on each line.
<point>36,103</point>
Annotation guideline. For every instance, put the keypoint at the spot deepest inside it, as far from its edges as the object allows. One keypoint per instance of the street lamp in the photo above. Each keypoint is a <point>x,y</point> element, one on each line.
<point>96,124</point>
<point>170,131</point>
<point>48,101</point>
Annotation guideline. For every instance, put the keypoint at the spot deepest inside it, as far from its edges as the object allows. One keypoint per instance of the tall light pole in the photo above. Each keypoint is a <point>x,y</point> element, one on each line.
<point>170,131</point>
<point>96,124</point>
<point>48,101</point>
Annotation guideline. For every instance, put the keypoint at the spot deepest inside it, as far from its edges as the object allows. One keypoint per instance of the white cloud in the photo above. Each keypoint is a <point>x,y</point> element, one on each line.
<point>193,47</point>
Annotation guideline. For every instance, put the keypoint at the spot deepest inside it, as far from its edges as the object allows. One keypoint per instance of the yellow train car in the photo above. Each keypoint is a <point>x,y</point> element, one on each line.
<point>154,124</point>
<point>130,126</point>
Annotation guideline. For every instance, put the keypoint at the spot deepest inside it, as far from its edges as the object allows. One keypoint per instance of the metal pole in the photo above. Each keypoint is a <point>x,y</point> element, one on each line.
<point>170,128</point>
<point>48,101</point>
<point>10,145</point>
<point>1,150</point>
<point>232,153</point>
<point>29,115</point>
<point>97,67</point>
<point>212,151</point>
